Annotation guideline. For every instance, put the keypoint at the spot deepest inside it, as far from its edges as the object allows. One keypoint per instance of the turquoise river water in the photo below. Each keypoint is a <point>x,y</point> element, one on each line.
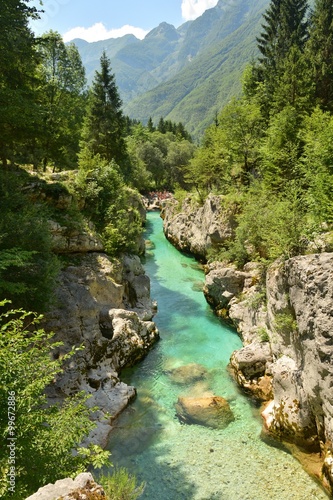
<point>192,462</point>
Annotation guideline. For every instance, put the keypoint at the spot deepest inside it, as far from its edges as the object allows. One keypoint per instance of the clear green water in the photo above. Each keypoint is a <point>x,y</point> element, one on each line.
<point>189,461</point>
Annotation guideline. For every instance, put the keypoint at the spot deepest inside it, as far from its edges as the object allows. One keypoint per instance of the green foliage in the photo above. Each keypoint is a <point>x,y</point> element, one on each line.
<point>256,300</point>
<point>159,160</point>
<point>17,83</point>
<point>281,44</point>
<point>110,204</point>
<point>62,98</point>
<point>280,150</point>
<point>263,334</point>
<point>230,150</point>
<point>121,485</point>
<point>45,435</point>
<point>104,126</point>
<point>28,268</point>
<point>320,52</point>
<point>316,165</point>
<point>269,225</point>
<point>285,322</point>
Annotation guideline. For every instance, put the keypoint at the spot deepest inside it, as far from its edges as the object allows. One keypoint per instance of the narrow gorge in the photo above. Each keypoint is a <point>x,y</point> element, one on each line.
<point>153,438</point>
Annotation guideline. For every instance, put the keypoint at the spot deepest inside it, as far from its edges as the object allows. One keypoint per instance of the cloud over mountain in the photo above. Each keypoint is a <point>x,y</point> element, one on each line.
<point>99,32</point>
<point>191,9</point>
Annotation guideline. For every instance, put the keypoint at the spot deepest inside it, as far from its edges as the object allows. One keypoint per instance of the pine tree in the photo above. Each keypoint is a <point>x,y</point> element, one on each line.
<point>285,27</point>
<point>104,127</point>
<point>284,35</point>
<point>17,66</point>
<point>161,127</point>
<point>150,125</point>
<point>268,39</point>
<point>320,49</point>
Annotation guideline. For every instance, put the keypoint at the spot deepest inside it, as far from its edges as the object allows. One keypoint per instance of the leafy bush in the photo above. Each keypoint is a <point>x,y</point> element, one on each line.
<point>121,485</point>
<point>109,204</point>
<point>28,267</point>
<point>45,438</point>
<point>270,225</point>
<point>285,322</point>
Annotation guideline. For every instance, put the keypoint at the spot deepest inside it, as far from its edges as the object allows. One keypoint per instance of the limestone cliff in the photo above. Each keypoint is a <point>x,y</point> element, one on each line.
<point>285,318</point>
<point>103,308</point>
<point>198,228</point>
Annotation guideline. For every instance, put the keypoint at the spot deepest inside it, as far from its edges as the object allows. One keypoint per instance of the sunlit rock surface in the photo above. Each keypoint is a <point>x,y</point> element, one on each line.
<point>80,488</point>
<point>285,318</point>
<point>210,411</point>
<point>90,310</point>
<point>198,228</point>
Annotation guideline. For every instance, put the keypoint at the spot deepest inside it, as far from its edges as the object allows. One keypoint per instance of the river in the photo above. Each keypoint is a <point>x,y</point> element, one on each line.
<point>192,462</point>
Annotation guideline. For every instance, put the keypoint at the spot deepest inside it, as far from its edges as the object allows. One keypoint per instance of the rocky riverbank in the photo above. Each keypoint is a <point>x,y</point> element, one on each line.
<point>284,316</point>
<point>102,308</point>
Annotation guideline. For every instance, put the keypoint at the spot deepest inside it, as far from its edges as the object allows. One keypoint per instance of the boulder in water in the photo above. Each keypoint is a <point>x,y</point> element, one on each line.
<point>211,411</point>
<point>187,374</point>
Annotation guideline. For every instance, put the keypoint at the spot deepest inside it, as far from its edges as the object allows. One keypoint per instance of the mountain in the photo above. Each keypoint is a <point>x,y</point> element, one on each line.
<point>185,74</point>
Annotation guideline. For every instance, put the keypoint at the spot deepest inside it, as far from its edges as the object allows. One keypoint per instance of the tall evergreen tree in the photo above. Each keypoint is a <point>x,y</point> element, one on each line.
<point>321,52</point>
<point>285,26</point>
<point>150,125</point>
<point>17,67</point>
<point>104,127</point>
<point>268,39</point>
<point>282,42</point>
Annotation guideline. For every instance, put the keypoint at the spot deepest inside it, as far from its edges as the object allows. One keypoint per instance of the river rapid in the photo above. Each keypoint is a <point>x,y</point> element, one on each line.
<point>192,462</point>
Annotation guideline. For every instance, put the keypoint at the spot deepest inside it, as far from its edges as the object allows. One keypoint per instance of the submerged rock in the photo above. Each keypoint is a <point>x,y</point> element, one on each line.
<point>210,411</point>
<point>187,374</point>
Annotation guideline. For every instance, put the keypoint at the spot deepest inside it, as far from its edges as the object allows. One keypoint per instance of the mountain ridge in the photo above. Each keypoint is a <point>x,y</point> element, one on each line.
<point>184,74</point>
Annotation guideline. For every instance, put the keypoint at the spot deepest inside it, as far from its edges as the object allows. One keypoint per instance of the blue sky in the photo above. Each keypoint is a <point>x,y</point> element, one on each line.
<point>95,20</point>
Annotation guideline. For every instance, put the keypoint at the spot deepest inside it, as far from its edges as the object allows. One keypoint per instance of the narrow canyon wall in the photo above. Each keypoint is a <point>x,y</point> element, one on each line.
<point>102,306</point>
<point>197,228</point>
<point>285,318</point>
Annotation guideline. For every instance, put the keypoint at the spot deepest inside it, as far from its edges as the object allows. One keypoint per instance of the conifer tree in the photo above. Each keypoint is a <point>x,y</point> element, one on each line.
<point>285,27</point>
<point>104,126</point>
<point>267,41</point>
<point>150,125</point>
<point>320,48</point>
<point>161,127</point>
<point>282,42</point>
<point>17,66</point>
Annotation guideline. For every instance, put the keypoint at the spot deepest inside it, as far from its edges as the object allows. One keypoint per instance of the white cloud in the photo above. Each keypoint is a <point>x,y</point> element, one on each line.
<point>191,9</point>
<point>99,32</point>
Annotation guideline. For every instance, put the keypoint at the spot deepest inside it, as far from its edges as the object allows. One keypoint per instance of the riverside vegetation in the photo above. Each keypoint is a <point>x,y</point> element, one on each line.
<point>265,165</point>
<point>269,153</point>
<point>50,122</point>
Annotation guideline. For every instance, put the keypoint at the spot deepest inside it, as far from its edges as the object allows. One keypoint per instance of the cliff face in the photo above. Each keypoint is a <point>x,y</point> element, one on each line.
<point>103,307</point>
<point>285,319</point>
<point>197,228</point>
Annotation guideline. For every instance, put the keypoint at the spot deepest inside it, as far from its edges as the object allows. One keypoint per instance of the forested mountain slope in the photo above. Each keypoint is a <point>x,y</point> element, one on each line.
<point>189,72</point>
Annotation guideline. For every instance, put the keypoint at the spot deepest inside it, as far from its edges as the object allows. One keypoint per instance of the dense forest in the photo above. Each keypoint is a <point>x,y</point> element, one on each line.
<point>269,153</point>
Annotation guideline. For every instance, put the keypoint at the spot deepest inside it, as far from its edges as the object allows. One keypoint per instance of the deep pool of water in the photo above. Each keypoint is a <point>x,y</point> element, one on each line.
<point>178,461</point>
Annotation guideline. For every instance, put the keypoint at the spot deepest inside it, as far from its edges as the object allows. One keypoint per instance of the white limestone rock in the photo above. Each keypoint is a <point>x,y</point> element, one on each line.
<point>89,311</point>
<point>70,489</point>
<point>196,229</point>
